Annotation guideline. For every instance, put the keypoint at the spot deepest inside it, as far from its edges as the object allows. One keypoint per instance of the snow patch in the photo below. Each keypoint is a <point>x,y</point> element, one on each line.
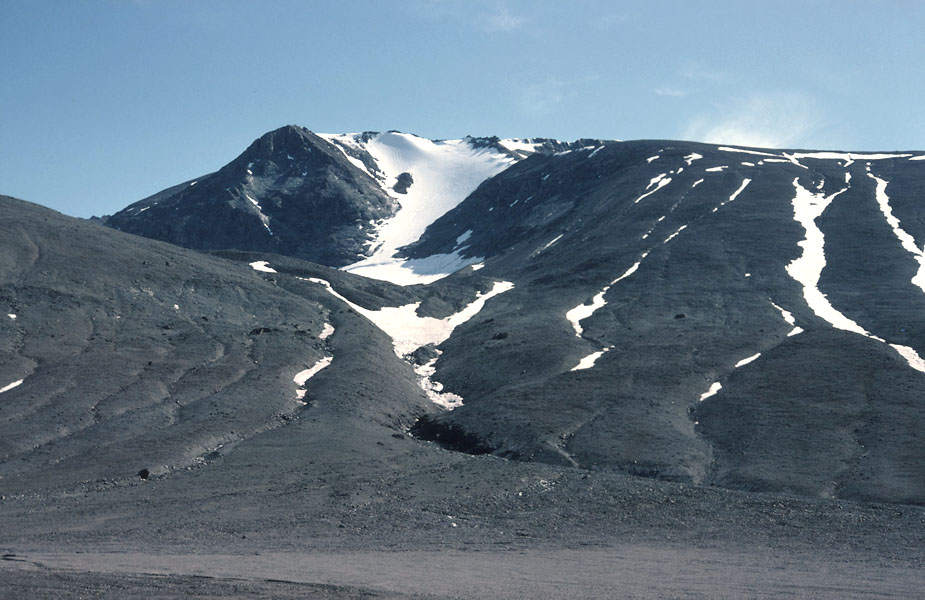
<point>410,331</point>
<point>583,311</point>
<point>326,331</point>
<point>445,173</point>
<point>12,316</point>
<point>718,169</point>
<point>10,386</point>
<point>806,270</point>
<point>651,158</point>
<point>690,158</point>
<point>743,151</point>
<point>696,183</point>
<point>588,361</point>
<point>659,182</point>
<point>745,361</point>
<point>302,376</point>
<point>715,387</point>
<point>912,357</point>
<point>905,239</point>
<point>263,266</point>
<point>735,194</point>
<point>918,157</point>
<point>675,234</point>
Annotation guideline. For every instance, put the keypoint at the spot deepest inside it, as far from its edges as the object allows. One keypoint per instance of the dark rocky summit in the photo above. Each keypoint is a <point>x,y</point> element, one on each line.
<point>290,192</point>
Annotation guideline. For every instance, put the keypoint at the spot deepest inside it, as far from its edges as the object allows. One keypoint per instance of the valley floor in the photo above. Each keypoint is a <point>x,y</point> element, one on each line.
<point>622,571</point>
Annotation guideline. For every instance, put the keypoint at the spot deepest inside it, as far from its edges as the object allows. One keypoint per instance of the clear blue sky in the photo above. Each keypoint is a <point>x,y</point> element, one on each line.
<point>104,102</point>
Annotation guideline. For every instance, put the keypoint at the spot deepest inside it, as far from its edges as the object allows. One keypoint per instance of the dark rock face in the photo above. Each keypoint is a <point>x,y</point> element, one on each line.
<point>290,193</point>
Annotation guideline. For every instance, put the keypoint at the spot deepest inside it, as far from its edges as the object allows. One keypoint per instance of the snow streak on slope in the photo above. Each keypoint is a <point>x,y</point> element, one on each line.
<point>8,387</point>
<point>444,173</point>
<point>262,265</point>
<point>303,376</point>
<point>588,361</point>
<point>659,182</point>
<point>735,194</point>
<point>583,311</point>
<point>410,331</point>
<point>807,269</point>
<point>907,241</point>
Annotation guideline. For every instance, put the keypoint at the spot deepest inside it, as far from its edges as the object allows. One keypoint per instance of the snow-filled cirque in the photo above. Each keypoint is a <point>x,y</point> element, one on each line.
<point>443,173</point>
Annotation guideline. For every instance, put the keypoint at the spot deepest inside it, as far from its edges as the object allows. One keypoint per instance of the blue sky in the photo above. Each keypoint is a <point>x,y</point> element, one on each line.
<point>105,102</point>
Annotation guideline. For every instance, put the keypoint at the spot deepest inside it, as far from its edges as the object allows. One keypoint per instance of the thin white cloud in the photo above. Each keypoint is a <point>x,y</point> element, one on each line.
<point>542,98</point>
<point>500,19</point>
<point>769,120</point>
<point>670,91</point>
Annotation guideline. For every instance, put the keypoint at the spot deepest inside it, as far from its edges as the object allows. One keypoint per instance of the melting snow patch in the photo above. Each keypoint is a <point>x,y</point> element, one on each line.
<point>690,158</point>
<point>596,150</point>
<point>718,169</point>
<point>302,376</point>
<point>673,235</point>
<point>696,183</point>
<point>918,157</point>
<point>743,151</point>
<point>715,387</point>
<point>7,388</point>
<point>651,158</point>
<point>477,266</point>
<point>735,194</point>
<point>905,239</point>
<point>588,361</point>
<point>445,173</point>
<point>409,331</point>
<point>263,266</point>
<point>748,164</point>
<point>12,316</point>
<point>326,331</point>
<point>745,361</point>
<point>550,243</point>
<point>806,270</point>
<point>659,182</point>
<point>583,311</point>
<point>912,357</point>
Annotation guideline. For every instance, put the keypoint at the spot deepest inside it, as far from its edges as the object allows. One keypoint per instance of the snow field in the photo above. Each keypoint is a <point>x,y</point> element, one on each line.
<point>410,331</point>
<point>444,174</point>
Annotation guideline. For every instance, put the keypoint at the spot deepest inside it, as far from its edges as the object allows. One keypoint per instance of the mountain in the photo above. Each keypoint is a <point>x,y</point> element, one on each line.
<point>603,357</point>
<point>698,313</point>
<point>323,198</point>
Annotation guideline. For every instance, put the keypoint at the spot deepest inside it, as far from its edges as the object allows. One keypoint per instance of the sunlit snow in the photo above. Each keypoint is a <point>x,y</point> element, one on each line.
<point>444,174</point>
<point>690,158</point>
<point>12,316</point>
<point>326,331</point>
<point>735,194</point>
<point>905,239</point>
<point>262,265</point>
<point>583,311</point>
<point>716,169</point>
<point>715,387</point>
<point>588,361</point>
<point>743,151</point>
<point>659,182</point>
<point>302,376</point>
<point>807,269</point>
<point>7,388</point>
<point>745,361</point>
<point>410,331</point>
